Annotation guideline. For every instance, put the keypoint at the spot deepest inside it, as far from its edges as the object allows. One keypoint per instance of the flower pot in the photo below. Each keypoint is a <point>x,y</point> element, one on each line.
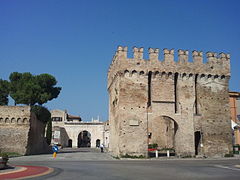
<point>3,162</point>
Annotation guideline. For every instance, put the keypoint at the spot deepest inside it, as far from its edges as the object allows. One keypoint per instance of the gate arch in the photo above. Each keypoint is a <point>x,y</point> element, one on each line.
<point>163,130</point>
<point>84,139</point>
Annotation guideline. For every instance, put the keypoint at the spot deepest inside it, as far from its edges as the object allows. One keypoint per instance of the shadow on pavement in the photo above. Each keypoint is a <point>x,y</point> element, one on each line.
<point>77,150</point>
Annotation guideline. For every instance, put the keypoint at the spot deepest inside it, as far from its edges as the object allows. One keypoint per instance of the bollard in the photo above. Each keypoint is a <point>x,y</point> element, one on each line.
<point>54,154</point>
<point>168,154</point>
<point>156,152</point>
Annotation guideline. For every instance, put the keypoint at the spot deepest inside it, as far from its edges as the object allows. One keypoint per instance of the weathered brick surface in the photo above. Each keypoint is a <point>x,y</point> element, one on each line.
<point>183,97</point>
<point>21,131</point>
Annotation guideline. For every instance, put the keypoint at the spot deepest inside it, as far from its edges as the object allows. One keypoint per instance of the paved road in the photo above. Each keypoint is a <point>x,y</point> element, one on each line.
<point>69,165</point>
<point>69,154</point>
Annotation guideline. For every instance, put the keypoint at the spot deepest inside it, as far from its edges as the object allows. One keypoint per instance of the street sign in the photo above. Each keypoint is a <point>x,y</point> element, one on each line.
<point>55,148</point>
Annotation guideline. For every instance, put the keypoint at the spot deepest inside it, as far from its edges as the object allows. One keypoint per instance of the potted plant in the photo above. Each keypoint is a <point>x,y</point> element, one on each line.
<point>152,147</point>
<point>3,160</point>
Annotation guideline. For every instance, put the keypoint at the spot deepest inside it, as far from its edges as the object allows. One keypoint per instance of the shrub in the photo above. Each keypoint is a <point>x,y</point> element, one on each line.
<point>132,157</point>
<point>229,155</point>
<point>9,154</point>
<point>116,157</point>
<point>4,155</point>
<point>152,146</point>
<point>187,156</point>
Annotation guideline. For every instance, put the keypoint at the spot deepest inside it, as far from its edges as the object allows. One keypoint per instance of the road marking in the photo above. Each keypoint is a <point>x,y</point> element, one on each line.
<point>226,167</point>
<point>9,172</point>
<point>26,172</point>
<point>50,170</point>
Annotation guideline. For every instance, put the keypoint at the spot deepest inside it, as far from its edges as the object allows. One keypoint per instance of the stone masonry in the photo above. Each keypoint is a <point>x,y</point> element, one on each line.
<point>21,131</point>
<point>179,104</point>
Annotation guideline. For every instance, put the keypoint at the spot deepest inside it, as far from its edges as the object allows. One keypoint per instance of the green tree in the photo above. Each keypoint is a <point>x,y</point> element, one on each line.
<point>23,88</point>
<point>26,88</point>
<point>4,92</point>
<point>47,90</point>
<point>42,113</point>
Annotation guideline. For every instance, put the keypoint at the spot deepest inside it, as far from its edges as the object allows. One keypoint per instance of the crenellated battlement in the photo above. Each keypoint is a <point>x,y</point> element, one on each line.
<point>121,51</point>
<point>216,64</point>
<point>137,53</point>
<point>211,57</point>
<point>197,57</point>
<point>153,53</point>
<point>183,55</point>
<point>168,55</point>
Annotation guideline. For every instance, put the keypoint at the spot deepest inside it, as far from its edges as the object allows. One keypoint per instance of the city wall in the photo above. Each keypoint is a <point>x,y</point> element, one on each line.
<point>21,131</point>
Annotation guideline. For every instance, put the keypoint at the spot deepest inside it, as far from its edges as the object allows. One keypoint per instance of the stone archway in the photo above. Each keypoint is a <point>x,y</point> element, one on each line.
<point>163,130</point>
<point>84,139</point>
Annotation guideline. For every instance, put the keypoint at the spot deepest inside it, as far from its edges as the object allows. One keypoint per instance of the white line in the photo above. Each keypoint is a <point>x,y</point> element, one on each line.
<point>225,167</point>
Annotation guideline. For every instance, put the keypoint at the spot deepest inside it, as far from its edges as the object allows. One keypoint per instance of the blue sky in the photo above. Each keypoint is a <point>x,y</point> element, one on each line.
<point>76,40</point>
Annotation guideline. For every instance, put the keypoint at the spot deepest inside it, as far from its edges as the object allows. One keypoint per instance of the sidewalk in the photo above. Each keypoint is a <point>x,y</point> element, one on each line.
<point>23,172</point>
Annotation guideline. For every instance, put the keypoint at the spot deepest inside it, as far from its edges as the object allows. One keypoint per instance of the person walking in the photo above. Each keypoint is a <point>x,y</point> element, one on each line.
<point>101,147</point>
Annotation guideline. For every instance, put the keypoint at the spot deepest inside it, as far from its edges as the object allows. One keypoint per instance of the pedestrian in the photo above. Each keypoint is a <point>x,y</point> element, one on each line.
<point>101,146</point>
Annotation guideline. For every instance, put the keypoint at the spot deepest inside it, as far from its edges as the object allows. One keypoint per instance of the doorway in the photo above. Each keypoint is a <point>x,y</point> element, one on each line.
<point>98,143</point>
<point>197,135</point>
<point>69,143</point>
<point>84,139</point>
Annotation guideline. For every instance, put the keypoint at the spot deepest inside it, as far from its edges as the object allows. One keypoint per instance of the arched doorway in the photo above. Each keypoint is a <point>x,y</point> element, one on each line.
<point>84,139</point>
<point>98,143</point>
<point>69,143</point>
<point>163,130</point>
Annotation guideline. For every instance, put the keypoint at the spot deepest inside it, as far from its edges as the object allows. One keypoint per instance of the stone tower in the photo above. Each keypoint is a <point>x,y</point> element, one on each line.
<point>175,104</point>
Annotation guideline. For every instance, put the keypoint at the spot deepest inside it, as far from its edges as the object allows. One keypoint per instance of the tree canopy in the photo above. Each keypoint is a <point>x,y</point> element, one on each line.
<point>29,89</point>
<point>4,91</point>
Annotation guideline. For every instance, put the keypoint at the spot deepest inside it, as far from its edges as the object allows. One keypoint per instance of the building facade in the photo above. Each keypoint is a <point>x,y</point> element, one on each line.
<point>235,116</point>
<point>178,105</point>
<point>71,131</point>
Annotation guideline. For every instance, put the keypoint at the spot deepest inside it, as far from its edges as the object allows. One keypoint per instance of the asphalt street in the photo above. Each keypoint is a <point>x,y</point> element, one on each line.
<point>93,165</point>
